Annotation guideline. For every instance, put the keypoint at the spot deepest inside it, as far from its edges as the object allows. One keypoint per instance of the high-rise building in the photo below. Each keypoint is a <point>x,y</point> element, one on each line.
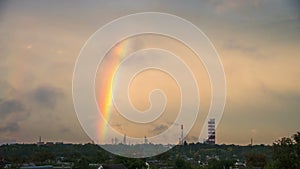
<point>124,139</point>
<point>182,140</point>
<point>211,132</point>
<point>116,140</point>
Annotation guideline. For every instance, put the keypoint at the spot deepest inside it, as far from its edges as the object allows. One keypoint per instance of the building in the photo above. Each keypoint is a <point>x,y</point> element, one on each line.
<point>181,139</point>
<point>211,132</point>
<point>124,139</point>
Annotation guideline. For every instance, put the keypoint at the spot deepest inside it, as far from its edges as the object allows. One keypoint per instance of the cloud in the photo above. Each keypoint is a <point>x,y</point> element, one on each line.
<point>284,97</point>
<point>10,127</point>
<point>12,112</point>
<point>6,90</point>
<point>234,45</point>
<point>224,6</point>
<point>118,126</point>
<point>3,5</point>
<point>10,106</point>
<point>159,128</point>
<point>65,130</point>
<point>46,96</point>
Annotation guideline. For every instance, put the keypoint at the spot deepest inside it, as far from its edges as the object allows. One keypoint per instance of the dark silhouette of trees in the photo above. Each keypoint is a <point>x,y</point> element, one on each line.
<point>82,163</point>
<point>130,163</point>
<point>182,164</point>
<point>283,154</point>
<point>41,157</point>
<point>220,164</point>
<point>163,157</point>
<point>256,160</point>
<point>286,152</point>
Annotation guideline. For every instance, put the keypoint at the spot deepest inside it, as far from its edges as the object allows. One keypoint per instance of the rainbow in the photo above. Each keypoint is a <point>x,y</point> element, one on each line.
<point>105,104</point>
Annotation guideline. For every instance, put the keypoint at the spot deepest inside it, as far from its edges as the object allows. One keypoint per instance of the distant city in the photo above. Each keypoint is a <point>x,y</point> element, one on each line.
<point>58,155</point>
<point>206,155</point>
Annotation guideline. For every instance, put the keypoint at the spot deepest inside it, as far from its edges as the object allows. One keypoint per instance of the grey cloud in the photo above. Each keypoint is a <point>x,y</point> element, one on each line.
<point>3,5</point>
<point>294,5</point>
<point>10,106</point>
<point>290,97</point>
<point>118,125</point>
<point>12,112</point>
<point>12,109</point>
<point>234,45</point>
<point>159,128</point>
<point>6,90</point>
<point>65,130</point>
<point>46,96</point>
<point>10,127</point>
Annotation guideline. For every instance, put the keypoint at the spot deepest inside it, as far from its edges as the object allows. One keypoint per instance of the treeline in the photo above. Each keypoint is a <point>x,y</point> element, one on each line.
<point>283,154</point>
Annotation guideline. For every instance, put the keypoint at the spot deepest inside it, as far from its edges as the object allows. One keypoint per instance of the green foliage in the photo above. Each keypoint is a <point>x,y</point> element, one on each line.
<point>81,164</point>
<point>220,164</point>
<point>163,157</point>
<point>43,156</point>
<point>256,160</point>
<point>286,152</point>
<point>130,163</point>
<point>181,164</point>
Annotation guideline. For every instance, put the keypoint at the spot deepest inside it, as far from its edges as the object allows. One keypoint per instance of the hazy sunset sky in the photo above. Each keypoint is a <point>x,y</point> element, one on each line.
<point>257,40</point>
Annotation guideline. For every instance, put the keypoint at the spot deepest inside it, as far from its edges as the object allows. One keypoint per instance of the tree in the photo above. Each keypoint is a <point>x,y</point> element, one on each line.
<point>130,163</point>
<point>181,164</point>
<point>286,153</point>
<point>218,164</point>
<point>297,145</point>
<point>43,156</point>
<point>163,157</point>
<point>81,164</point>
<point>256,160</point>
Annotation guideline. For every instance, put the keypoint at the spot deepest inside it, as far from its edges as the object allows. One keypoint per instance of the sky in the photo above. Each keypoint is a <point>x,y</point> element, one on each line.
<point>257,41</point>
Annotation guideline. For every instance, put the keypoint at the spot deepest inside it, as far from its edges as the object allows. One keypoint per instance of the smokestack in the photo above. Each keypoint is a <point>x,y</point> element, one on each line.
<point>182,140</point>
<point>124,139</point>
<point>116,140</point>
